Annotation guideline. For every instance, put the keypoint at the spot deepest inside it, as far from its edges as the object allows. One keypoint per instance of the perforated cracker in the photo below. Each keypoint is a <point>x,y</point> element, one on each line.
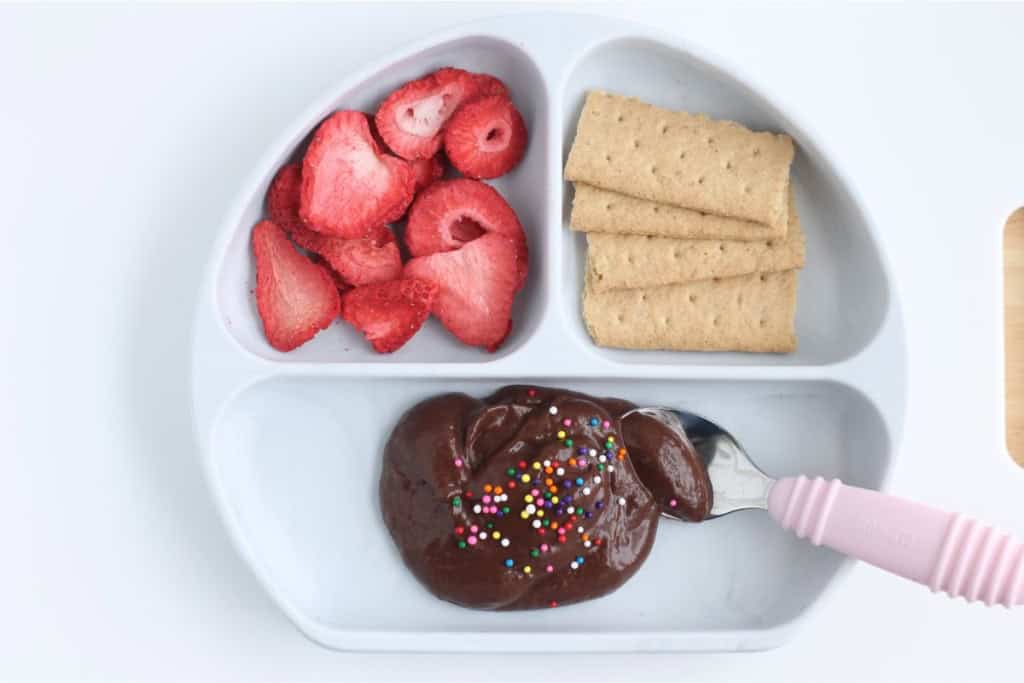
<point>604,211</point>
<point>753,313</point>
<point>631,261</point>
<point>682,159</point>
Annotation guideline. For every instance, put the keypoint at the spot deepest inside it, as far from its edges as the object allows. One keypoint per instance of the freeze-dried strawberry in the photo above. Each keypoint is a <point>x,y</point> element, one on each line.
<point>296,298</point>
<point>374,258</point>
<point>426,171</point>
<point>477,284</point>
<point>411,119</point>
<point>389,313</point>
<point>283,197</point>
<point>450,213</point>
<point>348,185</point>
<point>485,138</point>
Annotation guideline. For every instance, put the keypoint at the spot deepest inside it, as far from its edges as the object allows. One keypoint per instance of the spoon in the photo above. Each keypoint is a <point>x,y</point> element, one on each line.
<point>945,551</point>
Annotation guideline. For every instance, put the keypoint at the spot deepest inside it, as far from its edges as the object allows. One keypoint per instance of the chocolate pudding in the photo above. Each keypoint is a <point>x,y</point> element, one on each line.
<point>532,497</point>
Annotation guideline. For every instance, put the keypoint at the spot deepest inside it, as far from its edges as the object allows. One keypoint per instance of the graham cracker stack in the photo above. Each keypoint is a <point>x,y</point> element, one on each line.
<point>681,159</point>
<point>601,211</point>
<point>616,261</point>
<point>694,241</point>
<point>747,313</point>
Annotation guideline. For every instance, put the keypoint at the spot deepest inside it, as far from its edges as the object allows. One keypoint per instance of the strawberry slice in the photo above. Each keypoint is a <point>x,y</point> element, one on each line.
<point>374,258</point>
<point>389,313</point>
<point>426,171</point>
<point>339,281</point>
<point>376,136</point>
<point>475,84</point>
<point>477,284</point>
<point>487,84</point>
<point>400,210</point>
<point>283,197</point>
<point>486,138</point>
<point>348,185</point>
<point>450,213</point>
<point>295,297</point>
<point>411,119</point>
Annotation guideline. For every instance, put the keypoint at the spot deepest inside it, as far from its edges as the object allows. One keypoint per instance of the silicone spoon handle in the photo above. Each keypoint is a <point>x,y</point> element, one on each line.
<point>945,551</point>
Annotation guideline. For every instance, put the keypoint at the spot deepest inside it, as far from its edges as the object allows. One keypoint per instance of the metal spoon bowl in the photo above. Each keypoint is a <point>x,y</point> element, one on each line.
<point>737,482</point>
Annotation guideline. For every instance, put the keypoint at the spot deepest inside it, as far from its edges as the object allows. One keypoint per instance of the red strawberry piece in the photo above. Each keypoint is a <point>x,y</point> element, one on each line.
<point>486,138</point>
<point>399,211</point>
<point>476,286</point>
<point>411,119</point>
<point>389,313</point>
<point>283,197</point>
<point>426,171</point>
<point>376,135</point>
<point>374,258</point>
<point>475,84</point>
<point>348,185</point>
<point>283,208</point>
<point>296,298</point>
<point>487,84</point>
<point>339,281</point>
<point>450,213</point>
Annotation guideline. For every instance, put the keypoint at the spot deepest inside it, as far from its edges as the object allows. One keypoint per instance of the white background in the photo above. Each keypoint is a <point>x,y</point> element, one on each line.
<point>124,133</point>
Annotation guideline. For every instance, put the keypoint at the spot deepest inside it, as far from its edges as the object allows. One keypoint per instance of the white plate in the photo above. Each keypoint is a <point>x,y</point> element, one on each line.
<point>291,442</point>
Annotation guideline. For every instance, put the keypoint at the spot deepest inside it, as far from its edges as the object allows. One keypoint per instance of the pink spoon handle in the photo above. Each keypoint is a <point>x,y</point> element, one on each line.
<point>945,551</point>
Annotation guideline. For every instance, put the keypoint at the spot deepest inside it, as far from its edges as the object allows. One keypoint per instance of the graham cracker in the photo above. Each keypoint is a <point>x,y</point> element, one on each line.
<point>678,158</point>
<point>597,210</point>
<point>631,261</point>
<point>753,313</point>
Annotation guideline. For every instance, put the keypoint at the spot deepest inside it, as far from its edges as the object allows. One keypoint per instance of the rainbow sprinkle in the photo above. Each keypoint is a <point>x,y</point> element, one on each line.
<point>552,502</point>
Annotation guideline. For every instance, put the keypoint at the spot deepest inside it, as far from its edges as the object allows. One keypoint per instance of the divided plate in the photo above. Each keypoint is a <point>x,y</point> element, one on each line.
<point>291,442</point>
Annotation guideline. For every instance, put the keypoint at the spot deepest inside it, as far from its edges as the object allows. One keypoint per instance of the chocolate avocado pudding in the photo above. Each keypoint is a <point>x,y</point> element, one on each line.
<point>531,497</point>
